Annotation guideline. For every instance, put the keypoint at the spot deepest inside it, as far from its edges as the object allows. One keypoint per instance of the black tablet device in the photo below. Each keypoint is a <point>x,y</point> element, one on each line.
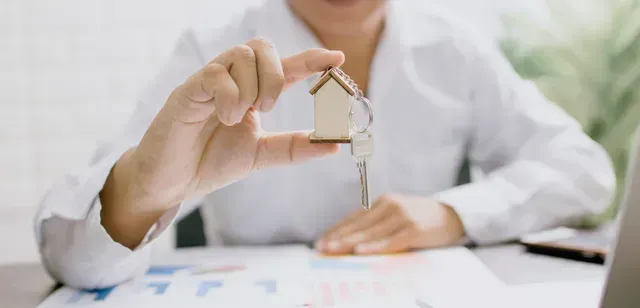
<point>588,246</point>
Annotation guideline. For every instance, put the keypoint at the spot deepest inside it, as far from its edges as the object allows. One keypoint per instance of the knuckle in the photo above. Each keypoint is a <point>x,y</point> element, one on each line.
<point>401,213</point>
<point>210,77</point>
<point>214,69</point>
<point>261,42</point>
<point>412,228</point>
<point>245,54</point>
<point>387,198</point>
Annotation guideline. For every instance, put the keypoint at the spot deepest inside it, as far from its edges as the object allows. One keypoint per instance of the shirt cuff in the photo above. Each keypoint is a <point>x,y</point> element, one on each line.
<point>480,209</point>
<point>75,196</point>
<point>98,234</point>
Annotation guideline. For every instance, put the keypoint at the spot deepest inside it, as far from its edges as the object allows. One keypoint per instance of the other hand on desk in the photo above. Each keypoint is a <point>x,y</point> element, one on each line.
<point>395,223</point>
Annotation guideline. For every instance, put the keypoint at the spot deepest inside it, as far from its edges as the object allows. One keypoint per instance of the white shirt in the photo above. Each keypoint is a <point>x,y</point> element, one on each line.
<point>440,95</point>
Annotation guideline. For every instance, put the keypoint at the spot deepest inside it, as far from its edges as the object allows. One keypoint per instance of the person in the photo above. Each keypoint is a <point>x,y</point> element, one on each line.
<point>202,136</point>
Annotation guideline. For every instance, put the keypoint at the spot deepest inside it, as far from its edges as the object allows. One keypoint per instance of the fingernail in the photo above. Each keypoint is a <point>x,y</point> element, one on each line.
<point>267,104</point>
<point>319,245</point>
<point>333,245</point>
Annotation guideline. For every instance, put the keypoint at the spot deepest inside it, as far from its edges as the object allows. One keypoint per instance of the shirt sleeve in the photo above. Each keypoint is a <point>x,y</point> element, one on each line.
<point>541,169</point>
<point>74,246</point>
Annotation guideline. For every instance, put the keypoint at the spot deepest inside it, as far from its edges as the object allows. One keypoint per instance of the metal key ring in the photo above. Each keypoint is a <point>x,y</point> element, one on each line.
<point>367,103</point>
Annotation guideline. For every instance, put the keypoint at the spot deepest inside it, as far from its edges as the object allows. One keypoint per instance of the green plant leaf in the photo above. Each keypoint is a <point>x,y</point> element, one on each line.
<point>617,137</point>
<point>587,61</point>
<point>629,81</point>
<point>628,31</point>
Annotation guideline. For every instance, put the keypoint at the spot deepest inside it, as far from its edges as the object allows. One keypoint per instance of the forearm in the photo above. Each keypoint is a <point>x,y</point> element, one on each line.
<point>127,211</point>
<point>527,196</point>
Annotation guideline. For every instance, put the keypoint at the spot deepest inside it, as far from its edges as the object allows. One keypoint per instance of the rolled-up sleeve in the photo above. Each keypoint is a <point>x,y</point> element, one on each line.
<point>74,246</point>
<point>541,169</point>
<point>80,252</point>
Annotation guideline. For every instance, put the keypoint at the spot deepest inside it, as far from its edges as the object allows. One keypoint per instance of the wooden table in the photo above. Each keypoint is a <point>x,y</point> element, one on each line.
<point>26,285</point>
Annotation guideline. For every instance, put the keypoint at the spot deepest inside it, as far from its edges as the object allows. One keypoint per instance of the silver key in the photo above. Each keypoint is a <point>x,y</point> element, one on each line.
<point>361,151</point>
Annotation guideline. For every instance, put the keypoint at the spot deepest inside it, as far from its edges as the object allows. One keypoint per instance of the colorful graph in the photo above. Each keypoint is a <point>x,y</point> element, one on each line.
<point>330,293</point>
<point>164,270</point>
<point>161,287</point>
<point>344,280</point>
<point>99,295</point>
<point>386,265</point>
<point>204,288</point>
<point>269,286</point>
<point>348,278</point>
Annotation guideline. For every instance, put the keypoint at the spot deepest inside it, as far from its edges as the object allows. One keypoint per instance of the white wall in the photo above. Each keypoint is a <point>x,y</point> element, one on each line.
<point>69,74</point>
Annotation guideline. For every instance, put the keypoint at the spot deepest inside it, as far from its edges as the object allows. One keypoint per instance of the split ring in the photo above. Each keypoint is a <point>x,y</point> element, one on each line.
<point>367,104</point>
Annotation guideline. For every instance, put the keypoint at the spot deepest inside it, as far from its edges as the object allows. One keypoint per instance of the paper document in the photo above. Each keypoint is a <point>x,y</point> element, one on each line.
<point>294,277</point>
<point>224,277</point>
<point>578,294</point>
<point>435,277</point>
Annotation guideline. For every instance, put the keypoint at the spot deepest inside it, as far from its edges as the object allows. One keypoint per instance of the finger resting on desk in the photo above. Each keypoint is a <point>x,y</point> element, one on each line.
<point>363,221</point>
<point>382,229</point>
<point>398,242</point>
<point>356,216</point>
<point>330,243</point>
<point>344,238</point>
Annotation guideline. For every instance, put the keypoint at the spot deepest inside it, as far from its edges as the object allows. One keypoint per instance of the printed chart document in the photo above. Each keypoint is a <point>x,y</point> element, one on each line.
<point>436,278</point>
<point>295,277</point>
<point>224,277</point>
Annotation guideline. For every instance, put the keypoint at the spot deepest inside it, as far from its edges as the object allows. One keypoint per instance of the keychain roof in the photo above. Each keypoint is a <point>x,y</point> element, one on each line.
<point>330,73</point>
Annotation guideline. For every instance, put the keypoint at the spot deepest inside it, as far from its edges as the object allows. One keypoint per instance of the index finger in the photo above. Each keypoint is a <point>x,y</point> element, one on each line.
<point>270,75</point>
<point>305,64</point>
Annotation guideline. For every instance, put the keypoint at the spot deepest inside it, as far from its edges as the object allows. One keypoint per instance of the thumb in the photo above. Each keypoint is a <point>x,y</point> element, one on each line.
<point>307,63</point>
<point>275,149</point>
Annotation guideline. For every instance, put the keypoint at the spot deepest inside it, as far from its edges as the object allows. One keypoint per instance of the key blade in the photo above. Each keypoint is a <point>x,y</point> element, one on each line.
<point>364,181</point>
<point>361,150</point>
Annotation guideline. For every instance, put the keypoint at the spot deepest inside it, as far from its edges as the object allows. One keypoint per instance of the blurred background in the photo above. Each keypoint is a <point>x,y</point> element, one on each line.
<point>70,71</point>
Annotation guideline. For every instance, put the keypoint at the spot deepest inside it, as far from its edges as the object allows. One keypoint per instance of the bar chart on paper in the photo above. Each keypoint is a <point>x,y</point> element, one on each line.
<point>344,281</point>
<point>193,291</point>
<point>275,278</point>
<point>426,277</point>
<point>226,278</point>
<point>159,280</point>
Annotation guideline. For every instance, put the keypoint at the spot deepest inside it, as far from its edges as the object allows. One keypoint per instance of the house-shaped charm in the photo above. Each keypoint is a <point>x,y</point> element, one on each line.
<point>332,95</point>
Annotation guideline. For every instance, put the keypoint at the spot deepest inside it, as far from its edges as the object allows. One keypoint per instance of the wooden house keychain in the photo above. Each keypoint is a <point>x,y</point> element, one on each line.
<point>335,95</point>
